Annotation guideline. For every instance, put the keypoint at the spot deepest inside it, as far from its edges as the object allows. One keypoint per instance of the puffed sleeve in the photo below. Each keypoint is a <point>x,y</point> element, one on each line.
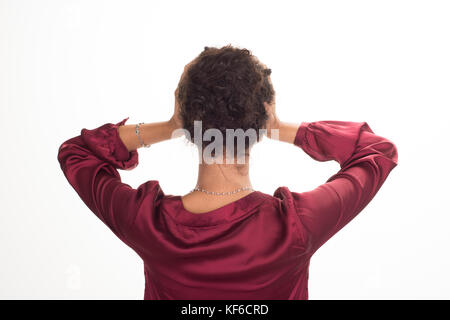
<point>90,162</point>
<point>366,160</point>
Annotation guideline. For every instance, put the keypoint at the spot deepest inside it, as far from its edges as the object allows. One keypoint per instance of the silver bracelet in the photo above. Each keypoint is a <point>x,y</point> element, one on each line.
<point>138,133</point>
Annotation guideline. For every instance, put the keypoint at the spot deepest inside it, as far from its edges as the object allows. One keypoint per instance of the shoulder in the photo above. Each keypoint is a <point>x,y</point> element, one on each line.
<point>286,198</point>
<point>149,190</point>
<point>282,201</point>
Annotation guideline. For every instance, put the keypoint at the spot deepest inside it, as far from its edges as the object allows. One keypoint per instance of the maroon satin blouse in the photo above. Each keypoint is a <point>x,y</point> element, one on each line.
<point>257,247</point>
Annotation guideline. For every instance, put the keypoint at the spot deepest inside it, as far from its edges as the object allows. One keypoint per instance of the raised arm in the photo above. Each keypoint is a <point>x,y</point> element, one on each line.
<point>366,160</point>
<point>90,162</point>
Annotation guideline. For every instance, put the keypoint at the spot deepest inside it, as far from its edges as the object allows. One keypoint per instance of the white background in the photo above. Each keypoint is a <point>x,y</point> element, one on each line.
<point>68,65</point>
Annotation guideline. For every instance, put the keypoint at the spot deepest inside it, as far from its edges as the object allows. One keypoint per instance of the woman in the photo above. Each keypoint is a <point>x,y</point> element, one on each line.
<point>224,240</point>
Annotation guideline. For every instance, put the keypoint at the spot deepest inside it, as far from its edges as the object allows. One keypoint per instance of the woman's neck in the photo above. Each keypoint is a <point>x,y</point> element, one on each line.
<point>223,177</point>
<point>217,178</point>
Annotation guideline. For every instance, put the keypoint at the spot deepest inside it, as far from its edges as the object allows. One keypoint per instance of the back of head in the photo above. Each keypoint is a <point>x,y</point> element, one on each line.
<point>225,88</point>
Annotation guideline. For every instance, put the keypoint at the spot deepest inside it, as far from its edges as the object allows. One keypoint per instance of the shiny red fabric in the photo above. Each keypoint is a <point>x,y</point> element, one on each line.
<point>258,247</point>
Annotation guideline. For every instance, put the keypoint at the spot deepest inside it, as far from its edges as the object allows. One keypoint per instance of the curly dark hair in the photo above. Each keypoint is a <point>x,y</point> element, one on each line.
<point>225,88</point>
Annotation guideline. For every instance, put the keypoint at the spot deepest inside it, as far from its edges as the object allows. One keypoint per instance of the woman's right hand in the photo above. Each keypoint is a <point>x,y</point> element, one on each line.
<point>277,129</point>
<point>272,123</point>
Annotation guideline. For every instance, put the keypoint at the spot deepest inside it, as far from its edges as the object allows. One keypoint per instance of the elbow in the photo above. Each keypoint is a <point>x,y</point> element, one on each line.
<point>68,148</point>
<point>65,150</point>
<point>393,153</point>
<point>62,152</point>
<point>386,153</point>
<point>387,149</point>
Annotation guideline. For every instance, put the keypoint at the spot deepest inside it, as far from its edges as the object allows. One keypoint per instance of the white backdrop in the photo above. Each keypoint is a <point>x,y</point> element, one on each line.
<point>68,65</point>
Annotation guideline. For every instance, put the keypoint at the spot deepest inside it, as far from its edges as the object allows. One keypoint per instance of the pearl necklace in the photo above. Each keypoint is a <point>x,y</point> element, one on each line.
<point>221,193</point>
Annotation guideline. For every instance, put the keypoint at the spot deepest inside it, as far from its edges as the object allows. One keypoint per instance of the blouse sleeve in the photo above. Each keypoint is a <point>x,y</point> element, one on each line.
<point>365,160</point>
<point>90,162</point>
